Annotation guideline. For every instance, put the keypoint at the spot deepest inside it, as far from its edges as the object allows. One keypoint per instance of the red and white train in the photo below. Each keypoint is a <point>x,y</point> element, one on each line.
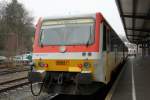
<point>71,54</point>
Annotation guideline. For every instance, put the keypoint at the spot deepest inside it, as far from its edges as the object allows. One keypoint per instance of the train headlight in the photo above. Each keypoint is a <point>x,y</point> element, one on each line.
<point>62,49</point>
<point>80,65</point>
<point>41,64</point>
<point>86,64</point>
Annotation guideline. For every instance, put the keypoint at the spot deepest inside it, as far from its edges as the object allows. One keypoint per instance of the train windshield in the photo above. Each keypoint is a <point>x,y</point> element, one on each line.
<point>70,32</point>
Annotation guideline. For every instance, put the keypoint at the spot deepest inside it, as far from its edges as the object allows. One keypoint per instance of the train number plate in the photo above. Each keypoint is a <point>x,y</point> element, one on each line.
<point>61,62</point>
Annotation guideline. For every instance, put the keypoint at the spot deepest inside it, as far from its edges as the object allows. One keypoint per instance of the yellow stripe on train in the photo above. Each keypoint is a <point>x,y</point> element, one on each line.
<point>65,65</point>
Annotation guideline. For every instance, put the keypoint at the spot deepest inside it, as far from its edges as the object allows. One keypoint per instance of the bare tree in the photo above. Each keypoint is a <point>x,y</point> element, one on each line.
<point>17,28</point>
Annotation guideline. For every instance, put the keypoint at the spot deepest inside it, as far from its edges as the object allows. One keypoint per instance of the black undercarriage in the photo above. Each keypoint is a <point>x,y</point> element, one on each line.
<point>70,83</point>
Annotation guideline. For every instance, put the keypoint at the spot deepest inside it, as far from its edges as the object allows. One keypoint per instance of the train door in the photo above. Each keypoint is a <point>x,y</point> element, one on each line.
<point>106,52</point>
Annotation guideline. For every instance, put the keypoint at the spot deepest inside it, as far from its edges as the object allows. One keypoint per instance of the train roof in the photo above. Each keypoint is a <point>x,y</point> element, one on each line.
<point>91,15</point>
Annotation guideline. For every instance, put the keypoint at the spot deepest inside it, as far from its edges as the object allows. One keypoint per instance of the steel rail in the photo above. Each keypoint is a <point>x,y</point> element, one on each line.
<point>11,87</point>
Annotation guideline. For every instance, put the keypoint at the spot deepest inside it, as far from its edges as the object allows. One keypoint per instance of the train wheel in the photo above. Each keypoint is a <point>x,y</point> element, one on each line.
<point>48,82</point>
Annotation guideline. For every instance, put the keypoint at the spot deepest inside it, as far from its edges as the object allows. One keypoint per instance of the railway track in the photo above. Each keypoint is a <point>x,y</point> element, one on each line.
<point>12,84</point>
<point>20,84</point>
<point>10,71</point>
<point>49,97</point>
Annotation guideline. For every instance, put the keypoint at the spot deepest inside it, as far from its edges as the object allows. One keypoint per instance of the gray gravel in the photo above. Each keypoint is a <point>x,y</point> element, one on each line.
<point>23,93</point>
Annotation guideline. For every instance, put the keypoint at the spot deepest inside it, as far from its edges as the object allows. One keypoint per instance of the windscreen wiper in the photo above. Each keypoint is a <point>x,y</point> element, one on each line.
<point>89,40</point>
<point>41,44</point>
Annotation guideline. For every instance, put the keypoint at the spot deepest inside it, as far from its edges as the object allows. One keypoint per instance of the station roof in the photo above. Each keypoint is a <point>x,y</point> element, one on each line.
<point>135,15</point>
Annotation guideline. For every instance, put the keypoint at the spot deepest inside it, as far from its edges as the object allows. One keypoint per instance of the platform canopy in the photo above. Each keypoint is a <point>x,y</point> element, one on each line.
<point>135,16</point>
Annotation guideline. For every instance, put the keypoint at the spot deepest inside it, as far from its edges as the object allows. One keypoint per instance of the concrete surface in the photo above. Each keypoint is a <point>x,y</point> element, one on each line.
<point>134,83</point>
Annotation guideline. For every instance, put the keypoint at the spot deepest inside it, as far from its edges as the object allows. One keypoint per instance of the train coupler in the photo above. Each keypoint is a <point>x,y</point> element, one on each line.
<point>36,76</point>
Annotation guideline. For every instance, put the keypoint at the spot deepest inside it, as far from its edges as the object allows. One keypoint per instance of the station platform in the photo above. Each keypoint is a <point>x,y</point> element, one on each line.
<point>134,80</point>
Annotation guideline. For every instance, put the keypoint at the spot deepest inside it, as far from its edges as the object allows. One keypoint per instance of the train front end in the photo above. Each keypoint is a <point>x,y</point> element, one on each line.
<point>65,52</point>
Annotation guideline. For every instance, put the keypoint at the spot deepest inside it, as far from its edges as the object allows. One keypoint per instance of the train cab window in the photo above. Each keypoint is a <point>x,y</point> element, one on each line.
<point>69,32</point>
<point>104,37</point>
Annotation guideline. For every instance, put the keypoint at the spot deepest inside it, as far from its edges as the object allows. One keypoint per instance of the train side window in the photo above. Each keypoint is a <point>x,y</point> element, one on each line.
<point>104,37</point>
<point>108,39</point>
<point>112,40</point>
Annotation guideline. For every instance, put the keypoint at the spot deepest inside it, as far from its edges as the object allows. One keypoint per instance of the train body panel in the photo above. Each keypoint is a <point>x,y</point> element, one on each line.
<point>55,61</point>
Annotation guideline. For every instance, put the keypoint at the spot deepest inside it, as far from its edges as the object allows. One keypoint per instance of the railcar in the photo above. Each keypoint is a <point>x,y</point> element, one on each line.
<point>75,54</point>
<point>2,59</point>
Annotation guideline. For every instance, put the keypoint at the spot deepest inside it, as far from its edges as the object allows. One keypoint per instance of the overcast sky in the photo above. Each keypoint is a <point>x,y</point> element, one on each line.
<point>44,8</point>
